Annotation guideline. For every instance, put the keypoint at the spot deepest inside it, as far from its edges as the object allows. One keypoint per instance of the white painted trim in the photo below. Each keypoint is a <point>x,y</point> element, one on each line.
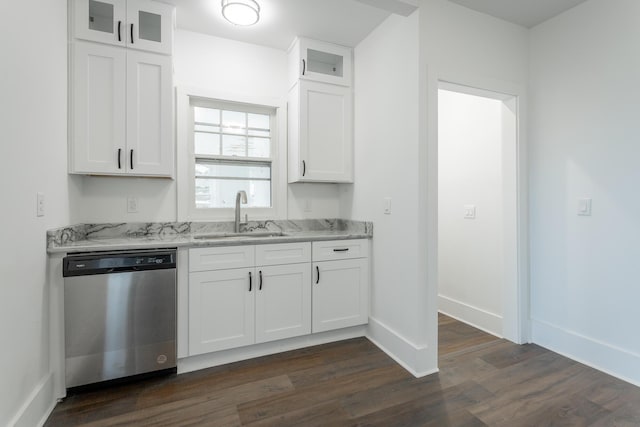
<point>597,354</point>
<point>209,360</point>
<point>185,164</point>
<point>37,407</point>
<point>481,319</point>
<point>415,359</point>
<point>516,324</point>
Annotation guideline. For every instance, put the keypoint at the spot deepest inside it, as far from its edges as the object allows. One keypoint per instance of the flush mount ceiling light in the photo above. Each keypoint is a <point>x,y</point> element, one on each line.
<point>241,12</point>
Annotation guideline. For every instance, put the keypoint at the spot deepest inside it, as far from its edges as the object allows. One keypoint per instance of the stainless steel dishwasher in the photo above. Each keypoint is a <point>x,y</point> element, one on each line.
<point>119,314</point>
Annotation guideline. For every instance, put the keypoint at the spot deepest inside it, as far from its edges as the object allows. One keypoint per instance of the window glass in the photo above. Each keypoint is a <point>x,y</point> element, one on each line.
<point>232,152</point>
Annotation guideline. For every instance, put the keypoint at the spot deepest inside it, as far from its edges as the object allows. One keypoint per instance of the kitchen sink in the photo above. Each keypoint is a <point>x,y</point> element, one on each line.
<point>245,235</point>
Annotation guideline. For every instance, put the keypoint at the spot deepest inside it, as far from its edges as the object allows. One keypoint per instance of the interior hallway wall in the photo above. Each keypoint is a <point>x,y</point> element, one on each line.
<point>470,251</point>
<point>585,144</point>
<point>386,147</point>
<point>33,120</point>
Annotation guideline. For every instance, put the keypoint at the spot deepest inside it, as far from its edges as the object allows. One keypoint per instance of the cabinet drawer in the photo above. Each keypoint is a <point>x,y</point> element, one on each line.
<point>340,249</point>
<point>283,253</point>
<point>204,259</point>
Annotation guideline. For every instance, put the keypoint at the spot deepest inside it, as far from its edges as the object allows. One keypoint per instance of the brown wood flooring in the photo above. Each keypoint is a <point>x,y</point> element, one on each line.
<point>483,380</point>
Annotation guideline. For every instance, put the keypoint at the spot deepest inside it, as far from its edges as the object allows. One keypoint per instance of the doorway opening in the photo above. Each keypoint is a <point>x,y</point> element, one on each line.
<point>477,217</point>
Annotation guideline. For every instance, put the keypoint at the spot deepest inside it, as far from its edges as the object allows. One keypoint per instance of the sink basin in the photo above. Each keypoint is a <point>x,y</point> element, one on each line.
<point>245,235</point>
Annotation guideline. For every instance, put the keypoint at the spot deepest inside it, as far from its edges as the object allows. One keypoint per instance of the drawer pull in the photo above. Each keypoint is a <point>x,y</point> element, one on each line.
<point>341,250</point>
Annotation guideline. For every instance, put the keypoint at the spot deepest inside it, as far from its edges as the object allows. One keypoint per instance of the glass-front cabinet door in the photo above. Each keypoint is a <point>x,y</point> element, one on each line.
<point>149,26</point>
<point>138,24</point>
<point>101,21</point>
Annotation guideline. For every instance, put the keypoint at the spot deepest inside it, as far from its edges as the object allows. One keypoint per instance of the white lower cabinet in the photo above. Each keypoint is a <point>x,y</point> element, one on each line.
<point>221,310</point>
<point>283,302</point>
<point>243,295</point>
<point>230,308</point>
<point>341,285</point>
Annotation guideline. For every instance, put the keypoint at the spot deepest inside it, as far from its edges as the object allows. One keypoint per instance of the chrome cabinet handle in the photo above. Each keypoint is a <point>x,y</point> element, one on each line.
<point>304,67</point>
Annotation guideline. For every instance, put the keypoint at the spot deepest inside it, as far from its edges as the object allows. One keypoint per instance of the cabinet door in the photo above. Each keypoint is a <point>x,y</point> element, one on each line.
<point>101,21</point>
<point>340,294</point>
<point>283,302</point>
<point>221,310</point>
<point>325,133</point>
<point>325,62</point>
<point>149,115</point>
<point>98,109</point>
<point>149,26</point>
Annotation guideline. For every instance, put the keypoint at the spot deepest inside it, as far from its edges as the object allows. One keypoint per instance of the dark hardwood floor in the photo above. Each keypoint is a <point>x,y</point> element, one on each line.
<point>483,380</point>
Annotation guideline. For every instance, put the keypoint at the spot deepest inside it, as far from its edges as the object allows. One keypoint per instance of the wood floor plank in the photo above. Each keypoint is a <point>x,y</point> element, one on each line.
<point>313,395</point>
<point>569,410</point>
<point>482,381</point>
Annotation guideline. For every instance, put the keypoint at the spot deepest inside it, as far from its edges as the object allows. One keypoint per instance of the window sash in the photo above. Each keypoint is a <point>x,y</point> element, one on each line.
<point>246,132</point>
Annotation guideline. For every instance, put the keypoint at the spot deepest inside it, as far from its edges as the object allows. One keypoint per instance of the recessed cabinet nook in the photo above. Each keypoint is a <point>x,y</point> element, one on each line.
<point>320,112</point>
<point>121,82</point>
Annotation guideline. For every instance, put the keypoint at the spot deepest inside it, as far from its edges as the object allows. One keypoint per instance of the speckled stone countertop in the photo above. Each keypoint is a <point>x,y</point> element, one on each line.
<point>125,236</point>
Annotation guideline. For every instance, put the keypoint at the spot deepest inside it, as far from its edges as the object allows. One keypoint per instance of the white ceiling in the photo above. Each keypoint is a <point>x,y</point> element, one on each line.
<point>527,13</point>
<point>345,22</point>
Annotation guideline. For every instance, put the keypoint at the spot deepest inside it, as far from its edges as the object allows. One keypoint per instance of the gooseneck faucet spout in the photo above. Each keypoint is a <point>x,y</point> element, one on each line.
<point>240,196</point>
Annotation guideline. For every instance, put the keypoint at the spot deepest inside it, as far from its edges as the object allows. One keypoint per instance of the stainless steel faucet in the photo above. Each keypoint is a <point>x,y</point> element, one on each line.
<point>241,195</point>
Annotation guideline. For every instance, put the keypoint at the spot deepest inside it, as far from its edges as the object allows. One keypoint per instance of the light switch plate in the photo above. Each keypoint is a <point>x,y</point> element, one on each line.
<point>40,204</point>
<point>584,207</point>
<point>469,211</point>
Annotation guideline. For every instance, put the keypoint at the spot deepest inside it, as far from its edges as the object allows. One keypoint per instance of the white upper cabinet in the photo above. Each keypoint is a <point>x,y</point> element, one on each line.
<point>320,112</point>
<point>98,94</point>
<point>121,109</point>
<point>138,24</point>
<point>320,120</point>
<point>149,114</point>
<point>319,61</point>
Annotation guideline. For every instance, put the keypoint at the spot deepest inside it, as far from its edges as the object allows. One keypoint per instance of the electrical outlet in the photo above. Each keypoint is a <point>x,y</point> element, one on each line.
<point>469,211</point>
<point>132,204</point>
<point>40,204</point>
<point>387,205</point>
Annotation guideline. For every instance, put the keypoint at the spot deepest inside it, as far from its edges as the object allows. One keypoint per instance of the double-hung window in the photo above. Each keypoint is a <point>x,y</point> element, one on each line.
<point>233,149</point>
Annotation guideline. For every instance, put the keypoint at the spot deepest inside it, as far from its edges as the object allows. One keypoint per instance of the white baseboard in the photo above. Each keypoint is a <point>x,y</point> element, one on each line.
<point>599,355</point>
<point>38,406</point>
<point>481,319</point>
<point>420,361</point>
<point>203,361</point>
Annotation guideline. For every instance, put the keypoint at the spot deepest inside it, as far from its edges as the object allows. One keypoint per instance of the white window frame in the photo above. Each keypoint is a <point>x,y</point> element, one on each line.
<point>186,158</point>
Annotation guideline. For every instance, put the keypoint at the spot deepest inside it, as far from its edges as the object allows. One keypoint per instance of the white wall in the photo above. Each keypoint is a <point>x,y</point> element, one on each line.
<point>230,69</point>
<point>386,148</point>
<point>397,70</point>
<point>584,144</point>
<point>470,261</point>
<point>33,121</point>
